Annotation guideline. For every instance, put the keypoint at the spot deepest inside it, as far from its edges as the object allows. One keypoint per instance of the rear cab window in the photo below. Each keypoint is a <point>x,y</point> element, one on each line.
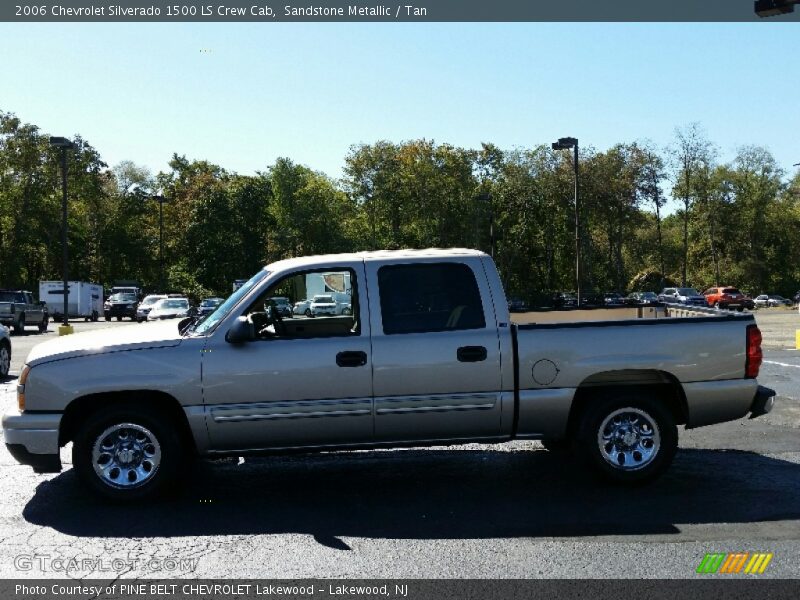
<point>429,297</point>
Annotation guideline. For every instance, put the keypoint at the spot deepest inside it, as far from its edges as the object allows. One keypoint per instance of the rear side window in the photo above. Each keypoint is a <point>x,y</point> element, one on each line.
<point>429,297</point>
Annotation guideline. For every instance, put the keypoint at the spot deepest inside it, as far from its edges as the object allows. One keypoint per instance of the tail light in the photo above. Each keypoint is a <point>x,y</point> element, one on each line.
<point>754,355</point>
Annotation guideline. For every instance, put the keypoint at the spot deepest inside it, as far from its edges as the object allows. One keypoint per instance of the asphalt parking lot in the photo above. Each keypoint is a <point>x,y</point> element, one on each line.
<point>511,510</point>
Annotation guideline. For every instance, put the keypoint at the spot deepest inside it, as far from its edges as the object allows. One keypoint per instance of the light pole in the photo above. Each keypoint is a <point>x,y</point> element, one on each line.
<point>566,143</point>
<point>160,200</point>
<point>64,144</point>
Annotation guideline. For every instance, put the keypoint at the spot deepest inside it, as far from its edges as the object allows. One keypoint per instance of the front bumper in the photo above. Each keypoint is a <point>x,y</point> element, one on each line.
<point>763,402</point>
<point>32,439</point>
<point>120,312</point>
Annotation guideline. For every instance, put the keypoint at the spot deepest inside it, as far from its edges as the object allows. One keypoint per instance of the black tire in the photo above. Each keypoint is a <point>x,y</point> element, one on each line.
<point>5,359</point>
<point>119,318</point>
<point>158,425</point>
<point>19,324</point>
<point>43,324</point>
<point>107,317</point>
<point>95,316</point>
<point>624,404</point>
<point>347,311</point>
<point>308,313</point>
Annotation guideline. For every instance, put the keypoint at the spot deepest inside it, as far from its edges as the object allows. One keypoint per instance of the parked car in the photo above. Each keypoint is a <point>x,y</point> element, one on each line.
<point>688,296</point>
<point>324,304</point>
<point>303,307</point>
<point>121,305</point>
<point>282,305</point>
<point>564,300</point>
<point>209,305</point>
<point>441,362</point>
<point>645,298</point>
<point>170,308</point>
<point>613,299</point>
<point>592,299</point>
<point>517,305</point>
<point>146,305</point>
<point>5,351</point>
<point>18,309</point>
<point>725,297</point>
<point>771,300</point>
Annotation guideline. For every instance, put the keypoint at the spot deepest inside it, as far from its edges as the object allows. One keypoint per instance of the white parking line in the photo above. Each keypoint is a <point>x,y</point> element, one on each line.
<point>772,362</point>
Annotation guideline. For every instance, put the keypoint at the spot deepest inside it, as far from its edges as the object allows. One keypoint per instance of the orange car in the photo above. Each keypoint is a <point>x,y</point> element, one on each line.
<point>727,297</point>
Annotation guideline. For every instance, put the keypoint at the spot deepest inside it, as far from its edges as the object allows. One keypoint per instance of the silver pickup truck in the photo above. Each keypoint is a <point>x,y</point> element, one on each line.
<point>428,356</point>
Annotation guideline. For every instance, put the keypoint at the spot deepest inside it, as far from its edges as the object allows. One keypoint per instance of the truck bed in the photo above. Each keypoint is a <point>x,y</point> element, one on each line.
<point>620,313</point>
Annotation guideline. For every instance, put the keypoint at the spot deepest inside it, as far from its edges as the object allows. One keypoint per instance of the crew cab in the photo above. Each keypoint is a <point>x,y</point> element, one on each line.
<point>429,356</point>
<point>18,309</point>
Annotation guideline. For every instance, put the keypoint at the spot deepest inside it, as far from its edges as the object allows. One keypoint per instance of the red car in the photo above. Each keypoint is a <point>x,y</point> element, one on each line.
<point>727,297</point>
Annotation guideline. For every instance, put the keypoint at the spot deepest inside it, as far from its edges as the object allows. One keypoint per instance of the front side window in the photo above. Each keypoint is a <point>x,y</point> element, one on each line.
<point>429,297</point>
<point>308,304</point>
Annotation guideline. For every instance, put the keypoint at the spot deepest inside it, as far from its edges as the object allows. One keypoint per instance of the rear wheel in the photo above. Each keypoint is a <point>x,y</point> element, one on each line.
<point>107,317</point>
<point>5,358</point>
<point>627,437</point>
<point>127,452</point>
<point>19,325</point>
<point>43,324</point>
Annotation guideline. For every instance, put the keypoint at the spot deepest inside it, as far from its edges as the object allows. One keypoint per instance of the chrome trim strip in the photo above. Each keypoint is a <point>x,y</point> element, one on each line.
<point>291,415</point>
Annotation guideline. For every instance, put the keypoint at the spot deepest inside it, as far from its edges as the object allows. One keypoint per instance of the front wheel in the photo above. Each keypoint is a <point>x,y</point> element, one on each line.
<point>19,326</point>
<point>628,437</point>
<point>43,324</point>
<point>127,452</point>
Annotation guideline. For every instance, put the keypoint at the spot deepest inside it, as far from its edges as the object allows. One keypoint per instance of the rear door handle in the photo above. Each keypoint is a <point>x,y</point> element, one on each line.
<point>471,354</point>
<point>351,358</point>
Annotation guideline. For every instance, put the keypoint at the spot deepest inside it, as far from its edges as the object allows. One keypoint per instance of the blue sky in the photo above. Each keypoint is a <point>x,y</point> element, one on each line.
<point>241,95</point>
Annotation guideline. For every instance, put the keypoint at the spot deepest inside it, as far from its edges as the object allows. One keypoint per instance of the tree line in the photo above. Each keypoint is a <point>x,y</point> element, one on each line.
<point>736,223</point>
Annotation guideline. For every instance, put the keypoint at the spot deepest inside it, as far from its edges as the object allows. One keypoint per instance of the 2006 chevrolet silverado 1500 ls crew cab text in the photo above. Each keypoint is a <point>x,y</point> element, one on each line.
<point>428,356</point>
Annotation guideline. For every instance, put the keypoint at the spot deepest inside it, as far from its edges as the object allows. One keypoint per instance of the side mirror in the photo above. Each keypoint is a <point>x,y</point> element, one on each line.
<point>242,331</point>
<point>184,323</point>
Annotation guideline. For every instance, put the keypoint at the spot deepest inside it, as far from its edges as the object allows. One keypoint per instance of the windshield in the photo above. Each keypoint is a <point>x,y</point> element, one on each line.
<point>211,302</point>
<point>11,297</point>
<point>123,298</point>
<point>173,303</point>
<point>649,295</point>
<point>281,301</point>
<point>210,321</point>
<point>687,292</point>
<point>151,300</point>
<point>731,291</point>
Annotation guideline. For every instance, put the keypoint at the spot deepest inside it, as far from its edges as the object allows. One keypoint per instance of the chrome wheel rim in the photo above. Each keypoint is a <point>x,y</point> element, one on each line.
<point>629,439</point>
<point>126,456</point>
<point>5,361</point>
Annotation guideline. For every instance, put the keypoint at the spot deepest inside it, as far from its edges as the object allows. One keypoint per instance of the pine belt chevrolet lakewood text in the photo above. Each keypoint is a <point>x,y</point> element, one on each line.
<point>428,355</point>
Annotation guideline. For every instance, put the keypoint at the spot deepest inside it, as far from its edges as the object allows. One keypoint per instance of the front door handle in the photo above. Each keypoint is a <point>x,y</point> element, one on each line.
<point>471,354</point>
<point>351,358</point>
